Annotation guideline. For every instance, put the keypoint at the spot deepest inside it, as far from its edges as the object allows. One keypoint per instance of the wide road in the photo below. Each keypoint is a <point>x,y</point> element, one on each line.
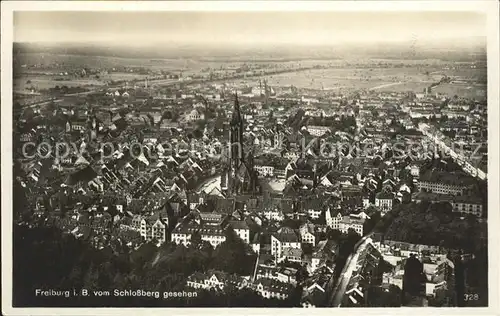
<point>346,273</point>
<point>41,103</point>
<point>472,171</point>
<point>386,85</point>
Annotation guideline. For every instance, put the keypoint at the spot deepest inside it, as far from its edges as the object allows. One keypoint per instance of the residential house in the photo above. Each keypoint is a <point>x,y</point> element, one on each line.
<point>444,183</point>
<point>154,227</point>
<point>351,222</point>
<point>213,234</point>
<point>195,115</point>
<point>313,207</point>
<point>274,214</point>
<point>284,238</point>
<point>324,255</point>
<point>269,288</point>
<point>384,201</point>
<point>241,229</point>
<point>214,280</point>
<point>415,170</point>
<point>307,234</point>
<point>318,130</point>
<point>312,296</point>
<point>333,218</point>
<point>291,255</point>
<point>255,244</point>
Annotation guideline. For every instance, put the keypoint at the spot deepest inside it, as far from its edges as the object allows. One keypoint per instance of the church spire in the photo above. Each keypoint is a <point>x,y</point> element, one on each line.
<point>240,176</point>
<point>236,119</point>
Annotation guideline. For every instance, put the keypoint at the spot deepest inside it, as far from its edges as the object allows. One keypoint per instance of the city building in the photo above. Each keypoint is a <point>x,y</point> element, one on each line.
<point>269,288</point>
<point>318,130</point>
<point>384,200</point>
<point>307,234</point>
<point>213,234</point>
<point>241,229</point>
<point>284,238</point>
<point>441,187</point>
<point>333,218</point>
<point>351,222</point>
<point>460,204</point>
<point>214,280</point>
<point>195,115</point>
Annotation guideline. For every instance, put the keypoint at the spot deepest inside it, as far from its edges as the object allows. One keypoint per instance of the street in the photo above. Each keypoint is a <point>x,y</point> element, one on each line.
<point>346,274</point>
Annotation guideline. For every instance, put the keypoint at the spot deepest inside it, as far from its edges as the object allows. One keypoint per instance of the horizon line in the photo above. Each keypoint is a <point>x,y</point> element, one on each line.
<point>262,43</point>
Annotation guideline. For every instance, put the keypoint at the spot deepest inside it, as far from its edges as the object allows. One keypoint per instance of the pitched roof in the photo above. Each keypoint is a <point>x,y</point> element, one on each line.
<point>286,234</point>
<point>84,175</point>
<point>274,285</point>
<point>238,224</point>
<point>385,196</point>
<point>292,252</point>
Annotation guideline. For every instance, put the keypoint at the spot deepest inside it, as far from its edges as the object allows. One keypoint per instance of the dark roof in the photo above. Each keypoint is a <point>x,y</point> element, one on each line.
<point>286,234</point>
<point>451,178</point>
<point>315,295</point>
<point>84,175</point>
<point>238,224</point>
<point>314,204</point>
<point>385,196</point>
<point>274,285</point>
<point>224,205</point>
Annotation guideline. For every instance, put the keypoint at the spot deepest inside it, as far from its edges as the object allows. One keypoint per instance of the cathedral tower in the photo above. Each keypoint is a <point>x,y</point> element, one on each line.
<point>236,137</point>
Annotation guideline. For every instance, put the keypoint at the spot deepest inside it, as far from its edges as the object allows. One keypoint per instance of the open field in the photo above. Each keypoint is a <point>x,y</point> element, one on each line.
<point>381,79</point>
<point>196,65</point>
<point>78,61</point>
<point>118,76</point>
<point>341,79</point>
<point>52,74</point>
<point>462,90</point>
<point>402,75</point>
<point>47,82</point>
<point>464,73</point>
<point>187,65</point>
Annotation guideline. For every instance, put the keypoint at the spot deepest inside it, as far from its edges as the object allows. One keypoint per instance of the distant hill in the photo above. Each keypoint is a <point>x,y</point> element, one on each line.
<point>456,49</point>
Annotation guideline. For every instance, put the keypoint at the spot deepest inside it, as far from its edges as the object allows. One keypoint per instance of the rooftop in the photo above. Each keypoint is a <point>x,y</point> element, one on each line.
<point>451,178</point>
<point>447,198</point>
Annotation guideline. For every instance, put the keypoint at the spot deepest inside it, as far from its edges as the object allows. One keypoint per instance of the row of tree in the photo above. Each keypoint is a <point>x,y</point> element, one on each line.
<point>431,224</point>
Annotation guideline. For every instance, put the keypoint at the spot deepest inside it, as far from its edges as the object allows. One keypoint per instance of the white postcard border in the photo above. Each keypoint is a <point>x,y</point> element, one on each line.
<point>490,8</point>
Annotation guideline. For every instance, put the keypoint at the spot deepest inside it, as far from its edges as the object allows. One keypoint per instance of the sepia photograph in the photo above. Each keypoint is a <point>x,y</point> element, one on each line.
<point>249,158</point>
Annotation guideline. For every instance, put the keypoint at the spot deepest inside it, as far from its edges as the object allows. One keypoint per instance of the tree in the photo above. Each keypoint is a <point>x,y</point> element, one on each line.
<point>142,255</point>
<point>378,297</point>
<point>333,234</point>
<point>201,124</point>
<point>233,255</point>
<point>301,275</point>
<point>292,223</point>
<point>197,133</point>
<point>371,222</point>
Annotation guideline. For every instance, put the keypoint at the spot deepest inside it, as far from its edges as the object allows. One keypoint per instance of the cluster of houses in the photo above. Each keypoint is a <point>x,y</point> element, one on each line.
<point>159,176</point>
<point>266,287</point>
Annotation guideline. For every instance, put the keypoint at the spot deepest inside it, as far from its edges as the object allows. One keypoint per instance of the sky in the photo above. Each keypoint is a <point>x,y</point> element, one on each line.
<point>147,28</point>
